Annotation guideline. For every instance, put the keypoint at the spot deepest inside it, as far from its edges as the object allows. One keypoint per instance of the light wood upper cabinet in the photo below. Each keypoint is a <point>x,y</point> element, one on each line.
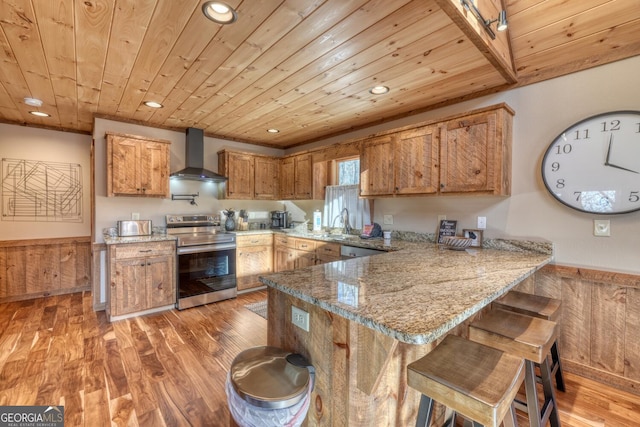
<point>251,176</point>
<point>415,164</point>
<point>475,153</point>
<point>400,163</point>
<point>295,177</point>
<point>376,166</point>
<point>267,174</point>
<point>239,168</point>
<point>302,174</point>
<point>137,166</point>
<point>141,277</point>
<point>470,153</point>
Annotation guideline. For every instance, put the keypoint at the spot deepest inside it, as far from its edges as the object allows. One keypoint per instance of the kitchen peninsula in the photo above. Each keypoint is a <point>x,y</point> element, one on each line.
<point>369,317</point>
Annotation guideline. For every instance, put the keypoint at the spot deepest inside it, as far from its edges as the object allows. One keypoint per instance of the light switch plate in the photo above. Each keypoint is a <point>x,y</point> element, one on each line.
<point>601,228</point>
<point>388,219</point>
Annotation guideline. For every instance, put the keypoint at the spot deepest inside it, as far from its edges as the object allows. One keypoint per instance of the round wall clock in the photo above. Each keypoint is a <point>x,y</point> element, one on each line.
<point>594,165</point>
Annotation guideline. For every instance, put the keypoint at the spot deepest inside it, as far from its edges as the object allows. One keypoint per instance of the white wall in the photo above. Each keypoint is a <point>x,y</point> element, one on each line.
<point>543,111</point>
<point>111,209</point>
<point>27,143</point>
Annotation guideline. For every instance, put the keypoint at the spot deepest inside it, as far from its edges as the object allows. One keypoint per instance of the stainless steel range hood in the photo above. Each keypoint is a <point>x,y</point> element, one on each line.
<point>194,159</point>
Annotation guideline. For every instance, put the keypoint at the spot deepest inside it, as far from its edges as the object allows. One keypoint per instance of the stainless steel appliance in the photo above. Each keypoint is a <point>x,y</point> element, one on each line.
<point>134,228</point>
<point>206,260</point>
<point>279,219</point>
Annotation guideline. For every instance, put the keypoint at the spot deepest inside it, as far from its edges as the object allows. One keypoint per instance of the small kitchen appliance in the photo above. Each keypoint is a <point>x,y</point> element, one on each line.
<point>134,228</point>
<point>206,261</point>
<point>279,219</point>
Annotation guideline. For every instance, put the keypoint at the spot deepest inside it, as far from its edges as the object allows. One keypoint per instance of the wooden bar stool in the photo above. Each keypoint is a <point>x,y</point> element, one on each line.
<point>530,338</point>
<point>478,382</point>
<point>537,306</point>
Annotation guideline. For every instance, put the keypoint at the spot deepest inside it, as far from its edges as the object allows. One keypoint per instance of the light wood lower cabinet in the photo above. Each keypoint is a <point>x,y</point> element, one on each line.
<point>141,277</point>
<point>254,256</point>
<point>283,253</point>
<point>294,252</point>
<point>42,267</point>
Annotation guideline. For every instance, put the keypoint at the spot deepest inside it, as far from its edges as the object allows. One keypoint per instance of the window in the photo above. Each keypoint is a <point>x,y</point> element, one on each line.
<point>349,172</point>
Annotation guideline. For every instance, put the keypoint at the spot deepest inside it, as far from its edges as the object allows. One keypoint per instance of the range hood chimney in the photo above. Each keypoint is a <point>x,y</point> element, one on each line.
<point>194,160</point>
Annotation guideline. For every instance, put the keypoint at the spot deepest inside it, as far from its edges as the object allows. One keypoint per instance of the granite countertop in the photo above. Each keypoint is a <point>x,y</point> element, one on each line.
<point>110,240</point>
<point>418,293</point>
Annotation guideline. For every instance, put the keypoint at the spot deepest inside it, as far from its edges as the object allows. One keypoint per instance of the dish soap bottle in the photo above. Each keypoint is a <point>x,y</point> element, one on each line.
<point>317,220</point>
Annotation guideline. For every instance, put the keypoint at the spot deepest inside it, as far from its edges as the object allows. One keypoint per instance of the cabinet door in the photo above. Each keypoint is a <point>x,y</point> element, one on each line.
<point>250,263</point>
<point>304,258</point>
<point>160,279</point>
<point>240,168</point>
<point>124,165</point>
<point>303,180</point>
<point>283,258</point>
<point>154,169</point>
<point>267,177</point>
<point>467,154</point>
<point>128,286</point>
<point>320,180</point>
<point>376,166</point>
<point>287,178</point>
<point>416,161</point>
<point>327,252</point>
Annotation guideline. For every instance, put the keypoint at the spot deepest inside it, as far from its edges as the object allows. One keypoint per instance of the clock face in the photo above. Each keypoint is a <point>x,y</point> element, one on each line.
<point>594,165</point>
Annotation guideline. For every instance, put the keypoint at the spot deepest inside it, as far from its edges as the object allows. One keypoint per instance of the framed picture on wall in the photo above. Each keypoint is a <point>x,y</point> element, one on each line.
<point>474,234</point>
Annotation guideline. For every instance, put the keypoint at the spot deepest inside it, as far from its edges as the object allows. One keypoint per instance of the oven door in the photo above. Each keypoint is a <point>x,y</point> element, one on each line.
<point>206,273</point>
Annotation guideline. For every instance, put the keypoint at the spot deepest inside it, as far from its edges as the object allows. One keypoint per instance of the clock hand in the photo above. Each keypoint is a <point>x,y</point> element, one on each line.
<point>620,167</point>
<point>606,161</point>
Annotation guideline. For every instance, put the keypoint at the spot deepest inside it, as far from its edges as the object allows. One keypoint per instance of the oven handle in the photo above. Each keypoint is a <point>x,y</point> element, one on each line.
<point>205,248</point>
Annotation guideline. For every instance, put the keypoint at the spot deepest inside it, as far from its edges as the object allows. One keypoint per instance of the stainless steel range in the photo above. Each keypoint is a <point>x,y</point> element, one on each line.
<point>206,259</point>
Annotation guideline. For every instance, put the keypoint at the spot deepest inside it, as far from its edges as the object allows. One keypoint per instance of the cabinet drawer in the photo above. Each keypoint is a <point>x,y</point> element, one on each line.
<point>328,249</point>
<point>283,240</point>
<point>137,250</point>
<point>254,240</point>
<point>305,245</point>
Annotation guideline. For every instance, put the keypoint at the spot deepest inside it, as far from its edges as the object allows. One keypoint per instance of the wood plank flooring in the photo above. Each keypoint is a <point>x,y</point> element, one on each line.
<point>169,369</point>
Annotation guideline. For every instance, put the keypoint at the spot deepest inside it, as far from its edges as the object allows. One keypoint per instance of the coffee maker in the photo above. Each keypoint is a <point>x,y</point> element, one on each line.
<point>279,219</point>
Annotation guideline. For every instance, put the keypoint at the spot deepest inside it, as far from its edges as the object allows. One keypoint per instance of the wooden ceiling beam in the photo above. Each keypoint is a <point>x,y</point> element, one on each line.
<point>498,51</point>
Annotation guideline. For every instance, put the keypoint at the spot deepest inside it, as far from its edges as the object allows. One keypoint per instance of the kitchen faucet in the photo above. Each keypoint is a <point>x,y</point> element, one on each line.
<point>344,219</point>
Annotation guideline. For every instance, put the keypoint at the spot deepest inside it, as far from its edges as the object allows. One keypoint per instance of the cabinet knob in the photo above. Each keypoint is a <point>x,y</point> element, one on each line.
<point>441,185</point>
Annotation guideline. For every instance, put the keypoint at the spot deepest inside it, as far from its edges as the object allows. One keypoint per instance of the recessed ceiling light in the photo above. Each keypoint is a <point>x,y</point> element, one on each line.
<point>379,90</point>
<point>34,102</point>
<point>273,130</point>
<point>39,114</point>
<point>219,12</point>
<point>153,104</point>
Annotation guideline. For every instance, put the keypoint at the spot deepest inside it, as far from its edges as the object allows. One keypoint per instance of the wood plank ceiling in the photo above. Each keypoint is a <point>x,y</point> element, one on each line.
<point>301,66</point>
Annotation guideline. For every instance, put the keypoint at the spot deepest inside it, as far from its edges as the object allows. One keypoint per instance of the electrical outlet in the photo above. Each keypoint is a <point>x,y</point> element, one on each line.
<point>601,228</point>
<point>387,219</point>
<point>482,222</point>
<point>135,216</point>
<point>441,218</point>
<point>300,318</point>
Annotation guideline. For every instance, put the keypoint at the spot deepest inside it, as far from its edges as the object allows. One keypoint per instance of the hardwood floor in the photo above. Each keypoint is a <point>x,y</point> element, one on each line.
<point>169,369</point>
